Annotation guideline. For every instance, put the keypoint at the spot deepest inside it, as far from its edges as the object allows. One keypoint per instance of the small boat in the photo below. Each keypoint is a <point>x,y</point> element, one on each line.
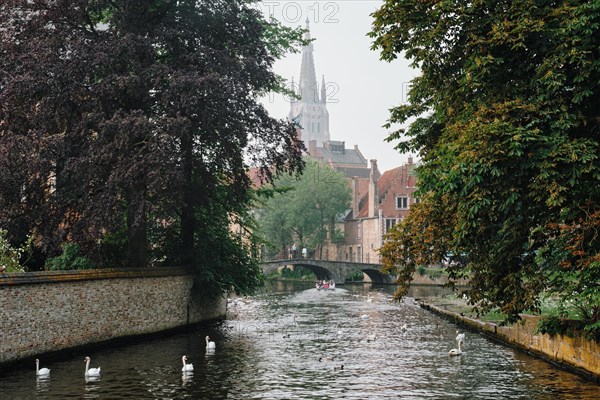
<point>323,285</point>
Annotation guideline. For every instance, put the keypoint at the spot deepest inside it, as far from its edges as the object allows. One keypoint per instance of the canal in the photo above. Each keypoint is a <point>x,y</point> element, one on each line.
<point>291,341</point>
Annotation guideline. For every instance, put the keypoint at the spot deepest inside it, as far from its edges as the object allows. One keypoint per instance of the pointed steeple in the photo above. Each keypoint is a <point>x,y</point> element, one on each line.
<point>323,91</point>
<point>308,77</point>
<point>310,111</point>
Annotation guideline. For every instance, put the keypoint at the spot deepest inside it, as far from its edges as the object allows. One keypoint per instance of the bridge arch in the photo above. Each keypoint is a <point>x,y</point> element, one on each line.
<point>339,271</point>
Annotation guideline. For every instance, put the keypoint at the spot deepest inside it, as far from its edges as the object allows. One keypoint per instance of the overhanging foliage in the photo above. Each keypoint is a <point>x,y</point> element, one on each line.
<point>507,126</point>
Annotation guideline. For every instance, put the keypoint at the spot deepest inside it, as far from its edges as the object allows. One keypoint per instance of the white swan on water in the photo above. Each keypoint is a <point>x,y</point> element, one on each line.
<point>186,367</point>
<point>459,339</point>
<point>40,371</point>
<point>210,344</point>
<point>90,371</point>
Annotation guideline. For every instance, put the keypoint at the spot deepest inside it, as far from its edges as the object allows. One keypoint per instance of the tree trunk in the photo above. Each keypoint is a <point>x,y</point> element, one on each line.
<point>188,220</point>
<point>137,233</point>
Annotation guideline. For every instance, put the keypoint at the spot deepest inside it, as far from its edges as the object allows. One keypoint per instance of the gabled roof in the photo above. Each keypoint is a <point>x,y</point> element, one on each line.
<point>396,181</point>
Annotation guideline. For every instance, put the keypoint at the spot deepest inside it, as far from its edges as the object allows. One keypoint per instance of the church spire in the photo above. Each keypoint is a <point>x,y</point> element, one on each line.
<point>310,111</point>
<point>308,77</point>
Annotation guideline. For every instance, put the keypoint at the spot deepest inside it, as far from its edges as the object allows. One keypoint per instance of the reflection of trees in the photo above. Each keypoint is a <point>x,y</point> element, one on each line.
<point>553,380</point>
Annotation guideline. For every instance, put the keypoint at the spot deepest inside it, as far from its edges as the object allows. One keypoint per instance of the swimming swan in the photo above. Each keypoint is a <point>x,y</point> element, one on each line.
<point>40,371</point>
<point>459,339</point>
<point>210,344</point>
<point>90,371</point>
<point>186,367</point>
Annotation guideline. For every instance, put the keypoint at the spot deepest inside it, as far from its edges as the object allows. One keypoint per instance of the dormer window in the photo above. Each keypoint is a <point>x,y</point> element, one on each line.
<point>402,203</point>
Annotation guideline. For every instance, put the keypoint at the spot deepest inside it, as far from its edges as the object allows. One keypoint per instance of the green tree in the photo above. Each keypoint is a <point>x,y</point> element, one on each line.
<point>507,124</point>
<point>128,123</point>
<point>305,207</point>
<point>69,259</point>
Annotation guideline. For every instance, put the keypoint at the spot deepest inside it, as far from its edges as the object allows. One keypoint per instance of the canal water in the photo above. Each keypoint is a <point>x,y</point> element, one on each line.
<point>291,342</point>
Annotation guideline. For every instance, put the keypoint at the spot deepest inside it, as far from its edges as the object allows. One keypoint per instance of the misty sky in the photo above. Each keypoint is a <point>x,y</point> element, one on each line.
<point>361,88</point>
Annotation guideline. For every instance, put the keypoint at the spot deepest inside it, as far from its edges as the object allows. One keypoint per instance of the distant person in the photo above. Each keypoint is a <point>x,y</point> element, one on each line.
<point>304,252</point>
<point>294,250</point>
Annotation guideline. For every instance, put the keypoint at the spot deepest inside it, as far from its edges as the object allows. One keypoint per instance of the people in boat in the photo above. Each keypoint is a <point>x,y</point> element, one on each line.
<point>325,284</point>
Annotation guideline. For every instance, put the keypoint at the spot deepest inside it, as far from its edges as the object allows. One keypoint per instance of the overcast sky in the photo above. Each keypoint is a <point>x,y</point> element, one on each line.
<point>361,88</point>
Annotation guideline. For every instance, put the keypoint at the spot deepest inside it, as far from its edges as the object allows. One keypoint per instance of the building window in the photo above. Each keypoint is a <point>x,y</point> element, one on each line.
<point>402,203</point>
<point>389,224</point>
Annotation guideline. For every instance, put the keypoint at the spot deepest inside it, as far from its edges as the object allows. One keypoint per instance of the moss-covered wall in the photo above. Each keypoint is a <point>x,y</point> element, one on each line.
<point>50,311</point>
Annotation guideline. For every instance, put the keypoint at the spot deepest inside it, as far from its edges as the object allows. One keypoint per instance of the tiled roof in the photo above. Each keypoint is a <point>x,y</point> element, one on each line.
<point>397,181</point>
<point>346,158</point>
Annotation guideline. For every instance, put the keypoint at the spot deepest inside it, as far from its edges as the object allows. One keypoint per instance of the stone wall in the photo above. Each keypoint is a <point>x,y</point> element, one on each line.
<point>577,353</point>
<point>55,310</point>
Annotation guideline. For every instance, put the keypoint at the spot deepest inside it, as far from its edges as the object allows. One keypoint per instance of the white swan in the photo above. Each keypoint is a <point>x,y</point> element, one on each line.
<point>90,371</point>
<point>459,339</point>
<point>40,371</point>
<point>364,316</point>
<point>210,344</point>
<point>186,367</point>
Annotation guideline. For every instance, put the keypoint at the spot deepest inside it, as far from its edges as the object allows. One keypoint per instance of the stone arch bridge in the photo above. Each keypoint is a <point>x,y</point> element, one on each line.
<point>326,270</point>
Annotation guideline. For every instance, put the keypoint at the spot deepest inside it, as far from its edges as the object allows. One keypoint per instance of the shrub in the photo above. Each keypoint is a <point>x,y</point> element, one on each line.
<point>69,259</point>
<point>10,256</point>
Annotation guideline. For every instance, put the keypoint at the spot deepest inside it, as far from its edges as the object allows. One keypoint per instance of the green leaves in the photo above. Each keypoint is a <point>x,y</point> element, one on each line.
<point>506,123</point>
<point>307,210</point>
<point>70,259</point>
<point>11,256</point>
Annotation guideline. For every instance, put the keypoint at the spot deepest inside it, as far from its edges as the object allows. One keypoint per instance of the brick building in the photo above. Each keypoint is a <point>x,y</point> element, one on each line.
<point>387,201</point>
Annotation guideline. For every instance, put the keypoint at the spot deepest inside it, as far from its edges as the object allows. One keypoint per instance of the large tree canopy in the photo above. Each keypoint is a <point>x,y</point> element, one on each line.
<point>507,124</point>
<point>304,207</point>
<point>129,126</point>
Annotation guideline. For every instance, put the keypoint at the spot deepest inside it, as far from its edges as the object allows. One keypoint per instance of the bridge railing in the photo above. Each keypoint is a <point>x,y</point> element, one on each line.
<point>329,253</point>
<point>280,256</point>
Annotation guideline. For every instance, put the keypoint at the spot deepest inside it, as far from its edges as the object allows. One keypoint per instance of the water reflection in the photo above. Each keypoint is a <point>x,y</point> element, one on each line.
<point>271,346</point>
<point>42,383</point>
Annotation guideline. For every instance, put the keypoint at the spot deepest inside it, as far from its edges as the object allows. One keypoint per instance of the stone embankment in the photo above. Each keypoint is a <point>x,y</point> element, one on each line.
<point>575,353</point>
<point>49,311</point>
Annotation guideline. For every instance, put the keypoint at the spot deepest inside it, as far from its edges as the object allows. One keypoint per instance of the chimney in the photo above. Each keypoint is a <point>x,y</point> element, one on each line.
<point>355,197</point>
<point>373,193</point>
<point>410,160</point>
<point>312,148</point>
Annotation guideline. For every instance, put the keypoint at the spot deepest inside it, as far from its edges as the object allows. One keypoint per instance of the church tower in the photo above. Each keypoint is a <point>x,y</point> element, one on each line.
<point>310,111</point>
